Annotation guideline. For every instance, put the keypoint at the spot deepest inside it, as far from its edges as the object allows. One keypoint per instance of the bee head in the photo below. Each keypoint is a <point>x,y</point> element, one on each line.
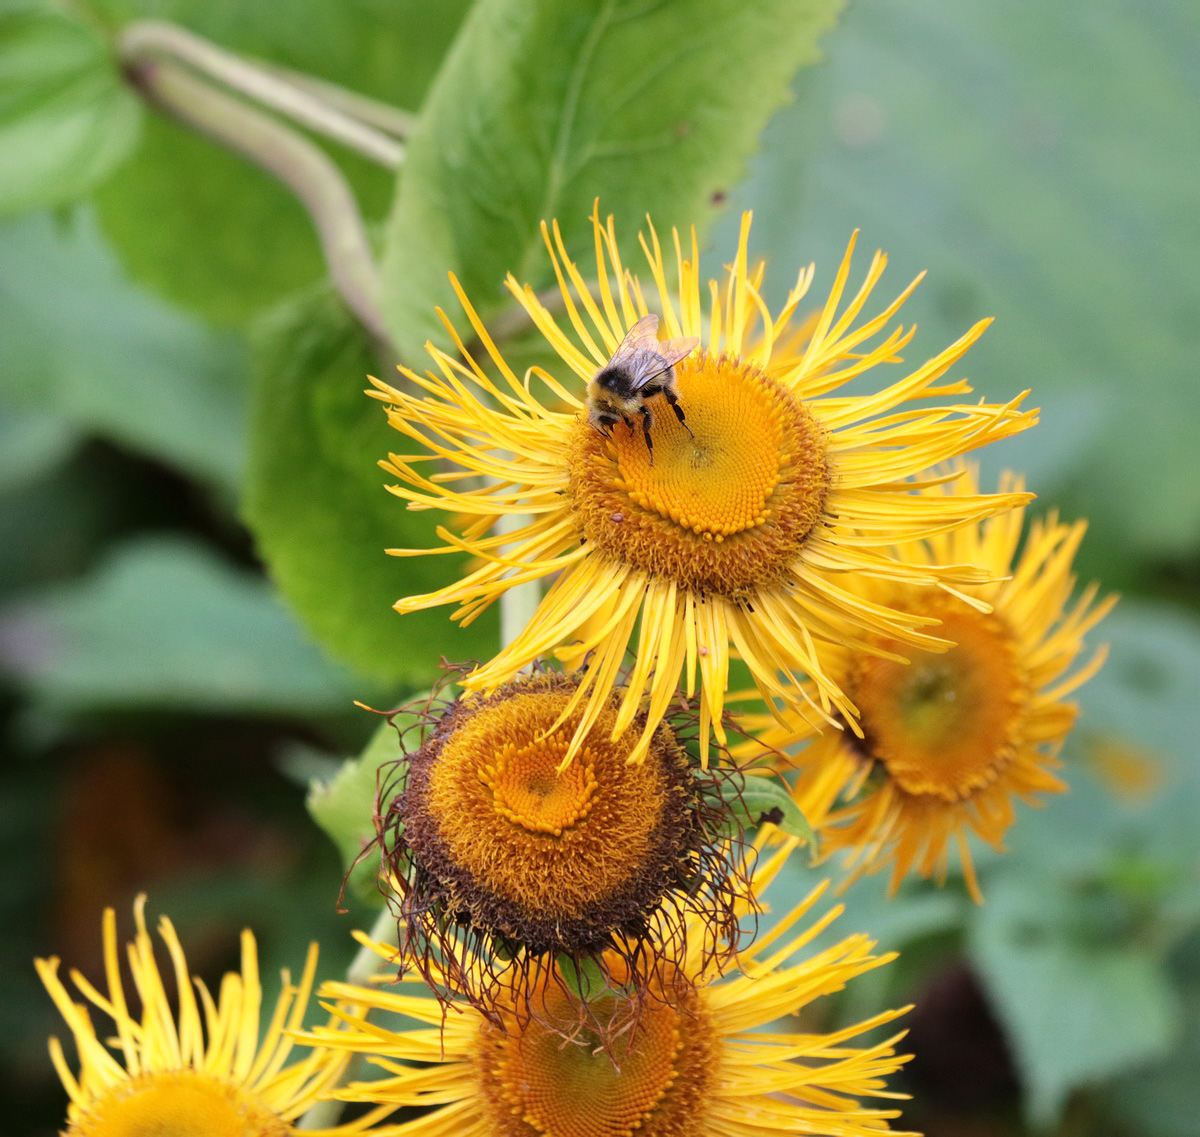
<point>602,420</point>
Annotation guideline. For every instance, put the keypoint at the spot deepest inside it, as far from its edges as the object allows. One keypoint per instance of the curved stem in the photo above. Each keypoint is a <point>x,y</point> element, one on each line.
<point>300,165</point>
<point>383,116</point>
<point>156,39</point>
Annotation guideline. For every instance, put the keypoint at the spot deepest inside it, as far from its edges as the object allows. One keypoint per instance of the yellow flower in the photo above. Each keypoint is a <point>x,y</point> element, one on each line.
<point>499,861</point>
<point>692,1065</point>
<point>210,1071</point>
<point>734,538</point>
<point>951,739</point>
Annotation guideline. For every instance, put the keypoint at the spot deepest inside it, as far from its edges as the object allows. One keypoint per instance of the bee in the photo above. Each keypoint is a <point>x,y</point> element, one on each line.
<point>640,368</point>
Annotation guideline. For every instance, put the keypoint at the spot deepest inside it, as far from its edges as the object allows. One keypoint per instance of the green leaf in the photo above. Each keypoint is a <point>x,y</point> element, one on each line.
<point>583,977</point>
<point>66,118</point>
<point>1076,1007</point>
<point>82,343</point>
<point>165,624</point>
<point>1029,156</point>
<point>543,106</point>
<point>208,229</point>
<point>344,807</point>
<point>766,799</point>
<point>1164,1099</point>
<point>316,501</point>
<point>257,245</point>
<point>32,443</point>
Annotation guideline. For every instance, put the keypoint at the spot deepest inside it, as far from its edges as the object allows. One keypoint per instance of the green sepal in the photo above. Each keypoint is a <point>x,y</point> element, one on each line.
<point>583,977</point>
<point>344,807</point>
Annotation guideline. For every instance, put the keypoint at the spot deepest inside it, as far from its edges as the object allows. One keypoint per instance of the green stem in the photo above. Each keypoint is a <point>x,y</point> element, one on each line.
<point>326,1114</point>
<point>305,169</point>
<point>155,39</point>
<point>383,116</point>
<point>517,604</point>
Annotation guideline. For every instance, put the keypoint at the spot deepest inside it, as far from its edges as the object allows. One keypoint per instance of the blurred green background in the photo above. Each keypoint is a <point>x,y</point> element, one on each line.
<point>170,365</point>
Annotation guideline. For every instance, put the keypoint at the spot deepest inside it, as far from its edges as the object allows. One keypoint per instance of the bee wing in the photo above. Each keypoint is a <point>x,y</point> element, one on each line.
<point>675,350</point>
<point>659,358</point>
<point>643,336</point>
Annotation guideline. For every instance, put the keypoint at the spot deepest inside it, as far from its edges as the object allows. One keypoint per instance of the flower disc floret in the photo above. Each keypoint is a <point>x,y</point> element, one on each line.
<point>652,1079</point>
<point>184,1104</point>
<point>945,725</point>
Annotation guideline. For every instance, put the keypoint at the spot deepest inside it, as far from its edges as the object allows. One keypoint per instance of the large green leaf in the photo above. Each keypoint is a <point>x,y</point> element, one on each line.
<point>1164,1100</point>
<point>66,118</point>
<point>163,623</point>
<point>1032,156</point>
<point>82,342</point>
<point>317,503</point>
<point>204,226</point>
<point>544,105</point>
<point>1079,1001</point>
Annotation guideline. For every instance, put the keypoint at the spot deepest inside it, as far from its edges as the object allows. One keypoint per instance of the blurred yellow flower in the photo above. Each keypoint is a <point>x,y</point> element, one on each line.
<point>949,740</point>
<point>212,1070</point>
<point>738,537</point>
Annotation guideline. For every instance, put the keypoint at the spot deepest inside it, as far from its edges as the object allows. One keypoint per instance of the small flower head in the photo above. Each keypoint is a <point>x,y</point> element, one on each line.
<point>734,533</point>
<point>950,740</point>
<point>500,856</point>
<point>694,1064</point>
<point>209,1070</point>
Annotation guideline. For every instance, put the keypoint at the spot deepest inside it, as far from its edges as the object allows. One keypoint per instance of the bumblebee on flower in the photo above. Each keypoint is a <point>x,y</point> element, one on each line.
<point>734,534</point>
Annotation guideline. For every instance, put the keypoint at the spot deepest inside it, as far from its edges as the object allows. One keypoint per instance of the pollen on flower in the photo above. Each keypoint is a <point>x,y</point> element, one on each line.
<point>528,789</point>
<point>722,509</point>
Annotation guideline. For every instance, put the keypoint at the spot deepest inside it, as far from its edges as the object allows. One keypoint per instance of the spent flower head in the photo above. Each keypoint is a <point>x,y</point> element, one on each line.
<point>501,863</point>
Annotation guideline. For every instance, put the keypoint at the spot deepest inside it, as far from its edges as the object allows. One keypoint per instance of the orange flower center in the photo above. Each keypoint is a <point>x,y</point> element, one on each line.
<point>528,790</point>
<point>179,1104</point>
<point>945,725</point>
<point>551,843</point>
<point>653,1079</point>
<point>722,509</point>
<point>493,831</point>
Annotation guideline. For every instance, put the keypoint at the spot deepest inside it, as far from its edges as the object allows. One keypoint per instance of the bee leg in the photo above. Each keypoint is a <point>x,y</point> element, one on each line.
<point>673,399</point>
<point>647,421</point>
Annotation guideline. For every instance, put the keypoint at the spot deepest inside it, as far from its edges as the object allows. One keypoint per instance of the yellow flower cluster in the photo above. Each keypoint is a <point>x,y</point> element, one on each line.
<point>708,489</point>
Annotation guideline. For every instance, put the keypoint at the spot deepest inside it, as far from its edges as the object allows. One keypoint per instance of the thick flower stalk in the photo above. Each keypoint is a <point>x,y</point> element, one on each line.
<point>951,741</point>
<point>694,1064</point>
<point>210,1069</point>
<point>736,533</point>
